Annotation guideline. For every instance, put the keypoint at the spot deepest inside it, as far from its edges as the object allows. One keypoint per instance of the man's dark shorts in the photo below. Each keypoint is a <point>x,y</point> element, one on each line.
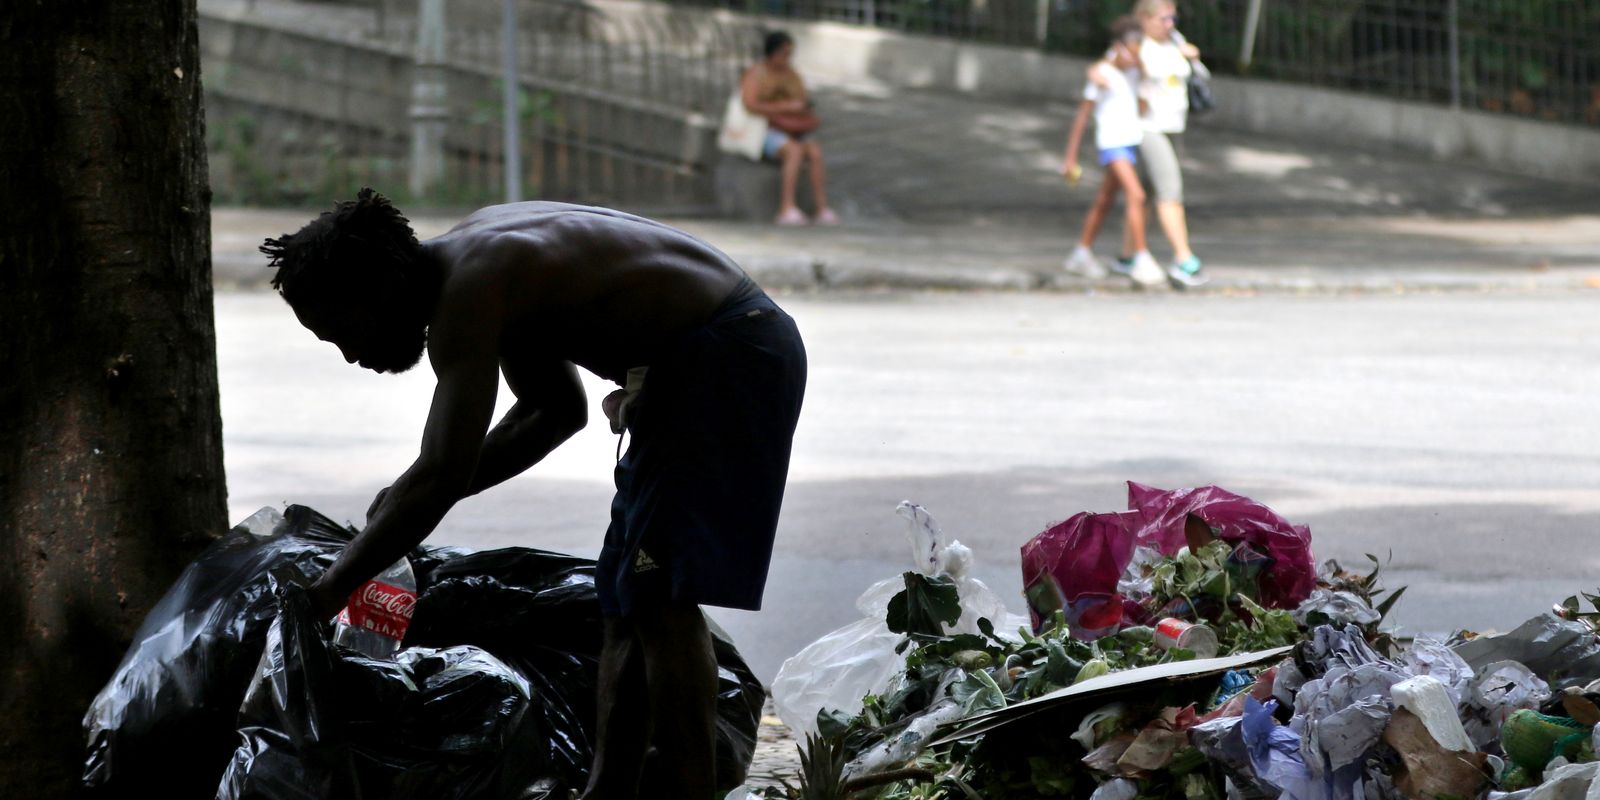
<point>699,489</point>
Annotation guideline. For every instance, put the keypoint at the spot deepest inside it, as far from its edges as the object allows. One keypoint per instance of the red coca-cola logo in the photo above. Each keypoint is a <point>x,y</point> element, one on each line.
<point>383,609</point>
<point>389,599</point>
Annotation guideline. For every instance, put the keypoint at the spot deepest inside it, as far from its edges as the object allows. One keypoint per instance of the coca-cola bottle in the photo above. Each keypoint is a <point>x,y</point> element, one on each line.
<point>379,612</point>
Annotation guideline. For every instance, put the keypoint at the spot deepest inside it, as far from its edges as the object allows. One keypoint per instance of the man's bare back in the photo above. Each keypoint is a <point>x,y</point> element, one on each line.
<point>530,292</point>
<point>598,288</point>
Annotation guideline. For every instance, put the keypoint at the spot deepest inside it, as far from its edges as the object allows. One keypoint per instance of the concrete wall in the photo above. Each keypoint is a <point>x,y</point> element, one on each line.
<point>845,53</point>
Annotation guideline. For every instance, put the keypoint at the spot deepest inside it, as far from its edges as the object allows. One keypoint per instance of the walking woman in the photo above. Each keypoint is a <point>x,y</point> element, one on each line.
<point>1164,57</point>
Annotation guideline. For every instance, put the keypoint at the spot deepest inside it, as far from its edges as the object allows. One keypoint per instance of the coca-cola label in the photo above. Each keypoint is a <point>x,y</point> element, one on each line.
<point>380,608</point>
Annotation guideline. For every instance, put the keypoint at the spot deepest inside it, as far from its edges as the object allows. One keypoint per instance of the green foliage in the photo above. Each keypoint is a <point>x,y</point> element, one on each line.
<point>983,672</point>
<point>925,607</point>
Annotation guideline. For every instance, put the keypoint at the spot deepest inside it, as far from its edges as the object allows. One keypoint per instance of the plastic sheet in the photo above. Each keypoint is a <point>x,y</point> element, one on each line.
<point>1565,652</point>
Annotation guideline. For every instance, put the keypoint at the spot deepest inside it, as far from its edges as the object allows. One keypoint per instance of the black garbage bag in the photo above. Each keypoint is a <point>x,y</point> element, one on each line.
<point>322,721</point>
<point>538,612</point>
<point>163,724</point>
<point>168,723</point>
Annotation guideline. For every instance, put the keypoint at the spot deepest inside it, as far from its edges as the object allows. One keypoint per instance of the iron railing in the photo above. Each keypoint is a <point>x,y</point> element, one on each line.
<point>306,101</point>
<point>1531,58</point>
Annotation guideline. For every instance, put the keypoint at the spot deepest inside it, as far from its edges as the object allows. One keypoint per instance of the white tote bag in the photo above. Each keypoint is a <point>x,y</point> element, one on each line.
<point>743,133</point>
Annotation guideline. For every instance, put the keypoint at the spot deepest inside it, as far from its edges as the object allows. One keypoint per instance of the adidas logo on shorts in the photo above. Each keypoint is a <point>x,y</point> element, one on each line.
<point>644,563</point>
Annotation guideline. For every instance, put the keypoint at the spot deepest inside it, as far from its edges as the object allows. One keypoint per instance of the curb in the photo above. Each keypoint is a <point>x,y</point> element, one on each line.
<point>805,272</point>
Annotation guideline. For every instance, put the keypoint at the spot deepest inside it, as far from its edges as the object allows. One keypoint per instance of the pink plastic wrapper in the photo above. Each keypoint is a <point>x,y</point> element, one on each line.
<point>1075,566</point>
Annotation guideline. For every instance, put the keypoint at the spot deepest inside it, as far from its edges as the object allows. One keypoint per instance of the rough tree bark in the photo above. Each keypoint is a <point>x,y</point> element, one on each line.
<point>110,433</point>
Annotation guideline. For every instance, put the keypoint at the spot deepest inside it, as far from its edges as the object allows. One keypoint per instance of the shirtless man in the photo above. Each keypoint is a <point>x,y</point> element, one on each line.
<point>713,373</point>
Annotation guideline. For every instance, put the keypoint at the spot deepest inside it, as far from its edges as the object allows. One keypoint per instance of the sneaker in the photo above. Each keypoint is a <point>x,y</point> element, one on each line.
<point>1145,271</point>
<point>1186,273</point>
<point>1083,263</point>
<point>791,218</point>
<point>826,217</point>
<point>1123,265</point>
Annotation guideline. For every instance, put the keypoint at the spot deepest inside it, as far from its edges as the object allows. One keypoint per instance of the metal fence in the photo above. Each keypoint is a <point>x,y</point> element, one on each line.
<point>660,59</point>
<point>617,110</point>
<point>1531,58</point>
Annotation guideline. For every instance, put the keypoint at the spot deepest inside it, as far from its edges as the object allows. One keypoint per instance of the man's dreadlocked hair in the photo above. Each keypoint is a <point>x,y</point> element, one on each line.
<point>362,249</point>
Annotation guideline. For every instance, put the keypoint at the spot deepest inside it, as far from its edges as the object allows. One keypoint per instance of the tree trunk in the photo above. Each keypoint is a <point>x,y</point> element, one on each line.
<point>110,434</point>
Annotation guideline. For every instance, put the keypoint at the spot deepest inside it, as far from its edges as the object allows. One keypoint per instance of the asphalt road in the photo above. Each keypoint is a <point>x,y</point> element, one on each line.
<point>1454,431</point>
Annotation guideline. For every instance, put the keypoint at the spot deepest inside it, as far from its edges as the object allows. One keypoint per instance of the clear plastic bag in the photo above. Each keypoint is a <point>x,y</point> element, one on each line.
<point>836,671</point>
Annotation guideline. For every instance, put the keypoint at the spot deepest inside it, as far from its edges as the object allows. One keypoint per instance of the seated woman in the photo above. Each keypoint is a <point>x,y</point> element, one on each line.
<point>772,89</point>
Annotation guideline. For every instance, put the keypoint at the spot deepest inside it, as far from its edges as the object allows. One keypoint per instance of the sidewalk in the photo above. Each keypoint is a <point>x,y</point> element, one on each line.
<point>952,192</point>
<point>1356,254</point>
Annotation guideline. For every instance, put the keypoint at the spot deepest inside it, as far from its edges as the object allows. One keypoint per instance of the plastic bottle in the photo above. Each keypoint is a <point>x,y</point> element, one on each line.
<point>375,620</point>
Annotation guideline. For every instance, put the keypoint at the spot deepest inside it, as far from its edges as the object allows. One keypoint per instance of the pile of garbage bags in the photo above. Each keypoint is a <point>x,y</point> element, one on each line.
<point>233,689</point>
<point>1189,648</point>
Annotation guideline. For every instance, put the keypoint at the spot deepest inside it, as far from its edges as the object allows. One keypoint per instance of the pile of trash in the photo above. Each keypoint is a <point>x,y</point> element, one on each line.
<point>1187,647</point>
<point>234,690</point>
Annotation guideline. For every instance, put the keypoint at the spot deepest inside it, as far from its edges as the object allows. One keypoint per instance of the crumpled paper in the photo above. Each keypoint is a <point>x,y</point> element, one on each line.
<point>1501,689</point>
<point>1155,744</point>
<point>1429,769</point>
<point>1221,741</point>
<point>1341,713</point>
<point>1104,758</point>
<point>1435,659</point>
<point>1338,607</point>
<point>1275,751</point>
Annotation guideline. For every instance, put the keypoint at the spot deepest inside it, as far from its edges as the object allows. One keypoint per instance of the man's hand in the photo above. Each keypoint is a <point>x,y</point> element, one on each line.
<point>324,602</point>
<point>611,406</point>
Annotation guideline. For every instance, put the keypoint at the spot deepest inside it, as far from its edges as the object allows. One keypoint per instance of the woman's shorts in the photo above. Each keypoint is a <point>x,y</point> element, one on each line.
<point>775,141</point>
<point>1160,151</point>
<point>1111,154</point>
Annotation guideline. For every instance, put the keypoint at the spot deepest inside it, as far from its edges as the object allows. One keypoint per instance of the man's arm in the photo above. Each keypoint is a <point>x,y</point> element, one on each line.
<point>464,357</point>
<point>549,410</point>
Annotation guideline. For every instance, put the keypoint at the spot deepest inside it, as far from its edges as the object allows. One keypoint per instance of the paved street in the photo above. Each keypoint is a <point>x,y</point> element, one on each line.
<point>1325,371</point>
<point>1453,430</point>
